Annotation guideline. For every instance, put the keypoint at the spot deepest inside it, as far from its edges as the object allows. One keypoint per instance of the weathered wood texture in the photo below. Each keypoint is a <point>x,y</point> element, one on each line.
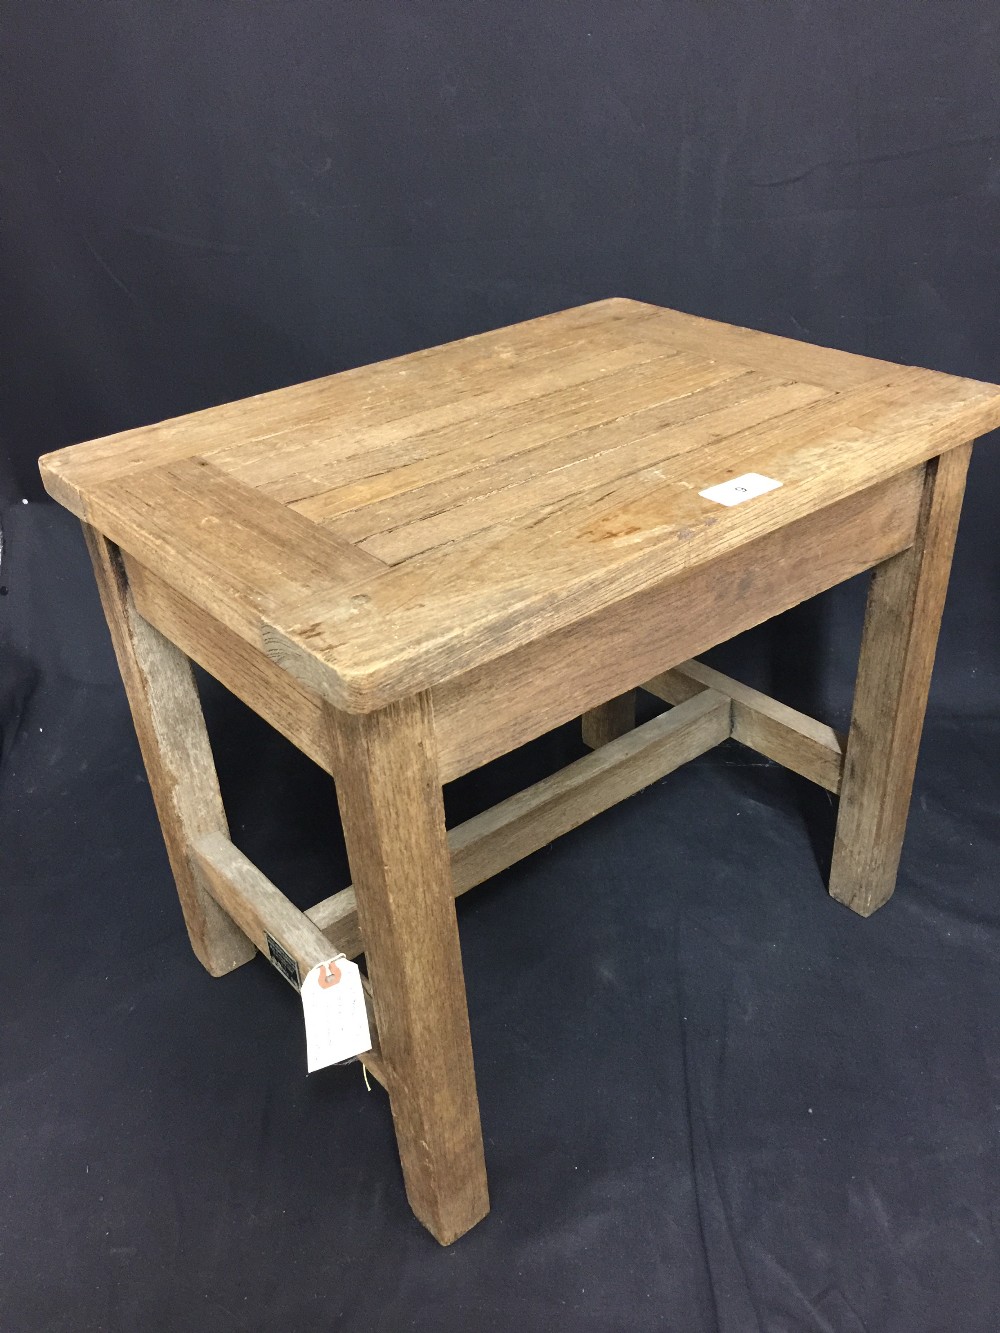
<point>902,619</point>
<point>532,818</point>
<point>549,682</point>
<point>771,728</point>
<point>512,830</point>
<point>235,552</point>
<point>532,478</point>
<point>257,907</point>
<point>414,567</point>
<point>288,705</point>
<point>170,727</point>
<point>608,721</point>
<point>262,911</point>
<point>569,555</point>
<point>393,815</point>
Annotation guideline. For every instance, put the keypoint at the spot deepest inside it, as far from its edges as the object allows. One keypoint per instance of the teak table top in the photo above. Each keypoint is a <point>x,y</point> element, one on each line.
<point>393,526</point>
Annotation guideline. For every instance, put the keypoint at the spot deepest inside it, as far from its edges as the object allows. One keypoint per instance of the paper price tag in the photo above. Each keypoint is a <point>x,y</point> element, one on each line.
<point>333,1001</point>
<point>747,487</point>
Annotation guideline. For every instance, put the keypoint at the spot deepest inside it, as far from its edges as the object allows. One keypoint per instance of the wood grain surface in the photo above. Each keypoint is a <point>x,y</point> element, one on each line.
<point>902,619</point>
<point>387,529</point>
<point>170,727</point>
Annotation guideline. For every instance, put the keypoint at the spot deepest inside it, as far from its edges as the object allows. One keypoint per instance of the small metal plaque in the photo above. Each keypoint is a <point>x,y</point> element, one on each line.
<point>283,961</point>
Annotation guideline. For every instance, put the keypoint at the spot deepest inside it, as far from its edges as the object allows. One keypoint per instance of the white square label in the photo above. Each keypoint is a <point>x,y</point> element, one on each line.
<point>747,487</point>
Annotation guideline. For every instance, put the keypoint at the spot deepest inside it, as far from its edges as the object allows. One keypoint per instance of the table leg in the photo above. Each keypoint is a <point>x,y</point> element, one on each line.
<point>170,726</point>
<point>902,619</point>
<point>391,804</point>
<point>609,721</point>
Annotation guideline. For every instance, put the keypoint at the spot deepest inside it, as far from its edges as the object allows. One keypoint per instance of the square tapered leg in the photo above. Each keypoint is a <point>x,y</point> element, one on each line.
<point>902,619</point>
<point>393,815</point>
<point>169,723</point>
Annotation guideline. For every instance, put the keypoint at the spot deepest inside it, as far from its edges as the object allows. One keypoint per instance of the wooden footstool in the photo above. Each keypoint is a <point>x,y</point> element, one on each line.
<point>411,568</point>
